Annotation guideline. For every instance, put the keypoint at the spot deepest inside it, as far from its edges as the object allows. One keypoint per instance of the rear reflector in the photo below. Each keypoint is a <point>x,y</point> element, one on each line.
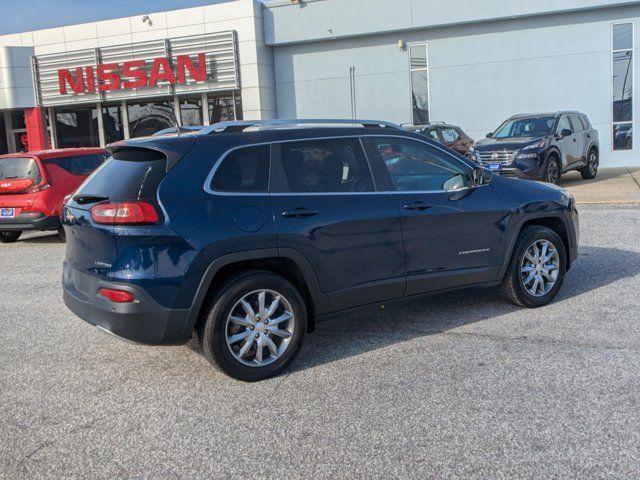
<point>124,213</point>
<point>116,296</point>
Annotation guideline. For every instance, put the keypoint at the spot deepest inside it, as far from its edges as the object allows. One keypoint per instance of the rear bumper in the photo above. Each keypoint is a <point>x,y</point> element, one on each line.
<point>29,221</point>
<point>142,321</point>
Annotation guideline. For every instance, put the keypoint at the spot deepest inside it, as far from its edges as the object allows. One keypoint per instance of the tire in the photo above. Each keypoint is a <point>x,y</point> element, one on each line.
<point>551,170</point>
<point>591,169</point>
<point>9,237</point>
<point>514,285</point>
<point>218,327</point>
<point>62,235</point>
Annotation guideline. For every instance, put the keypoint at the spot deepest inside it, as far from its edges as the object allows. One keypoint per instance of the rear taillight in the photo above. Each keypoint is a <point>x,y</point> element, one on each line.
<point>124,213</point>
<point>38,188</point>
<point>116,296</point>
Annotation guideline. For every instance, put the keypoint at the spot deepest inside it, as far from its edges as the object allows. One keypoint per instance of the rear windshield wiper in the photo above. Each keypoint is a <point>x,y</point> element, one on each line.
<point>83,199</point>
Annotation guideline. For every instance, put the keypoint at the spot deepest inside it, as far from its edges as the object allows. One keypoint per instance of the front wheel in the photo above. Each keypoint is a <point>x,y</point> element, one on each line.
<point>9,237</point>
<point>254,327</point>
<point>591,169</point>
<point>537,268</point>
<point>552,170</point>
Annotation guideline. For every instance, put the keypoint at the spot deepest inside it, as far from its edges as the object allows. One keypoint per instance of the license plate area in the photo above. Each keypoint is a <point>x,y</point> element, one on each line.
<point>7,212</point>
<point>494,167</point>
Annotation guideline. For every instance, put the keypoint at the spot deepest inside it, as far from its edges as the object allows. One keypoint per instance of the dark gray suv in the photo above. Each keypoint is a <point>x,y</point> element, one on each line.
<point>541,146</point>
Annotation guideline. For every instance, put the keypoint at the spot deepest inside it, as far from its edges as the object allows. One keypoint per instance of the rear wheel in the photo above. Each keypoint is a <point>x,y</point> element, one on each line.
<point>537,267</point>
<point>552,170</point>
<point>591,169</point>
<point>254,327</point>
<point>9,237</point>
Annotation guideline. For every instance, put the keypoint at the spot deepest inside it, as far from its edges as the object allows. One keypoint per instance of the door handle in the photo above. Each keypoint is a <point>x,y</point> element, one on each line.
<point>419,205</point>
<point>299,213</point>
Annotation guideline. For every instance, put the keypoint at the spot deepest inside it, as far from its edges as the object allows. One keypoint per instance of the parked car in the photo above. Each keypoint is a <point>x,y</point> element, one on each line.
<point>449,135</point>
<point>34,184</point>
<point>248,236</point>
<point>541,146</point>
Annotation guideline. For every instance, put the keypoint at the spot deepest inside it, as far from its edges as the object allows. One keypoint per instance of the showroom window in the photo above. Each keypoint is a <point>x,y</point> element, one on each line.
<point>191,111</point>
<point>150,117</point>
<point>77,127</point>
<point>419,84</point>
<point>112,119</point>
<point>622,57</point>
<point>224,108</point>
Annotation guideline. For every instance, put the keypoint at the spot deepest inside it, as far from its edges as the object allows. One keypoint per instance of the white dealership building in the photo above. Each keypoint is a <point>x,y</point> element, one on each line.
<point>469,63</point>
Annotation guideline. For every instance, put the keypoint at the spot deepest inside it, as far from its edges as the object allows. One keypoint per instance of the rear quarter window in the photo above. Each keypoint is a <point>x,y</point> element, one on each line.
<point>78,164</point>
<point>244,170</point>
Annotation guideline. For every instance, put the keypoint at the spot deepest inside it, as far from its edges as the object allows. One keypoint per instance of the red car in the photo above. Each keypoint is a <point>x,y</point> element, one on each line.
<point>34,184</point>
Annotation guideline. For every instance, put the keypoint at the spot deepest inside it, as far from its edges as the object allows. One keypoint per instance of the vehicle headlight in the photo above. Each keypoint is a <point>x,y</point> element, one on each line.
<point>536,146</point>
<point>525,156</point>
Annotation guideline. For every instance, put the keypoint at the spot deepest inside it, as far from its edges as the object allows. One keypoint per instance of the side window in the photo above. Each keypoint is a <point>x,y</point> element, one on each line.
<point>414,166</point>
<point>577,123</point>
<point>449,135</point>
<point>244,170</point>
<point>85,164</point>
<point>322,166</point>
<point>432,134</point>
<point>563,124</point>
<point>61,162</point>
<point>585,122</point>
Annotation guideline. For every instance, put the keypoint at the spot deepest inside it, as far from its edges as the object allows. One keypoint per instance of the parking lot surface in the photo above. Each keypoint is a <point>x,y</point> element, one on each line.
<point>461,385</point>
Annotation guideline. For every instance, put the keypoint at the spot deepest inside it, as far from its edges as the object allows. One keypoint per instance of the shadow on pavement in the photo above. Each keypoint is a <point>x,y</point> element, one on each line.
<point>376,327</point>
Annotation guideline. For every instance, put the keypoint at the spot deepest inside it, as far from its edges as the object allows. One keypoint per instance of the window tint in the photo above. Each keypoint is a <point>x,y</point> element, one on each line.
<point>432,134</point>
<point>563,124</point>
<point>129,179</point>
<point>78,164</point>
<point>244,170</point>
<point>449,135</point>
<point>585,122</point>
<point>19,169</point>
<point>577,123</point>
<point>414,166</point>
<point>336,165</point>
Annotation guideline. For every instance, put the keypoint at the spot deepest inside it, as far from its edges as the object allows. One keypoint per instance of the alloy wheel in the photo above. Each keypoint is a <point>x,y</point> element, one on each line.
<point>552,172</point>
<point>593,164</point>
<point>259,328</point>
<point>540,267</point>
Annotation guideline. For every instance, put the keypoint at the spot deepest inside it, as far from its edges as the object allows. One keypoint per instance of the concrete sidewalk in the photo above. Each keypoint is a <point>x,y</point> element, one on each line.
<point>611,185</point>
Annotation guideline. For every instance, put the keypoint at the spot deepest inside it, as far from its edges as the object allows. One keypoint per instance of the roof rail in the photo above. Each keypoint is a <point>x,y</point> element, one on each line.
<point>239,126</point>
<point>170,130</point>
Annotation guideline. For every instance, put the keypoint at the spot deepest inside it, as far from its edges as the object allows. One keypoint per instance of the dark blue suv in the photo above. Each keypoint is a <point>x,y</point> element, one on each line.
<point>247,233</point>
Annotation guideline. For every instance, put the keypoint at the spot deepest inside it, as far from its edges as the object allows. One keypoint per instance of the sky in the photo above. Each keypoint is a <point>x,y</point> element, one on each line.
<point>27,15</point>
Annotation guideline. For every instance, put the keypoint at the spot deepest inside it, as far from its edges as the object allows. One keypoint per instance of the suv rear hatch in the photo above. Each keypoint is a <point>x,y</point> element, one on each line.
<point>21,178</point>
<point>118,201</point>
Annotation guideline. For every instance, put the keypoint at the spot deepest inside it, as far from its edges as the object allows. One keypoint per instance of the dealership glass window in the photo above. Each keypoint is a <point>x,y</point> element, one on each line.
<point>191,111</point>
<point>150,117</point>
<point>622,57</point>
<point>224,108</point>
<point>77,127</point>
<point>3,136</point>
<point>112,119</point>
<point>419,84</point>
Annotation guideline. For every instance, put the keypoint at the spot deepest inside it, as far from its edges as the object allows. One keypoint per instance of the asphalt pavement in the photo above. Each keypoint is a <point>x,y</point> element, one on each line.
<point>462,385</point>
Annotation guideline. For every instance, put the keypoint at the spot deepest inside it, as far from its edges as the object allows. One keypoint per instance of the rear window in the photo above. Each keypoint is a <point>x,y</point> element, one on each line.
<point>78,164</point>
<point>23,168</point>
<point>128,175</point>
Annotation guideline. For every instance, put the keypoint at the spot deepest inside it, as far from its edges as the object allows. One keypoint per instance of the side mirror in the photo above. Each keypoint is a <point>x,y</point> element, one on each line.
<point>490,135</point>
<point>565,132</point>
